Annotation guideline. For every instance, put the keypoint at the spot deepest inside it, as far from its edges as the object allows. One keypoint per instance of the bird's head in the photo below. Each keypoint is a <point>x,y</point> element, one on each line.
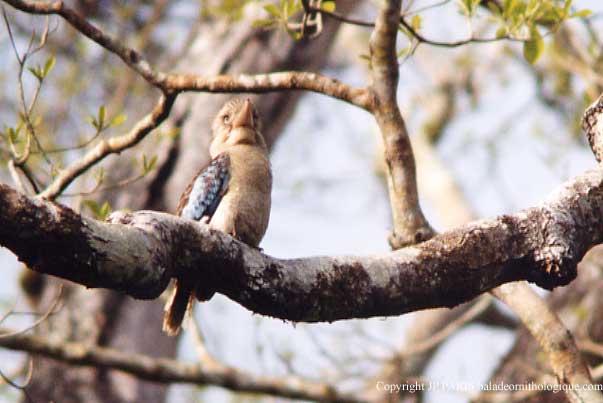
<point>237,123</point>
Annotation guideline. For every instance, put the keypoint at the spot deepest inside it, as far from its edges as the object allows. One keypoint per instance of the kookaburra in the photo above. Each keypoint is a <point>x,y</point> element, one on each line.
<point>231,194</point>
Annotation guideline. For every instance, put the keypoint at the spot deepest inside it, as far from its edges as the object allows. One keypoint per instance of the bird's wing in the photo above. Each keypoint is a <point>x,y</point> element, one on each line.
<point>203,194</point>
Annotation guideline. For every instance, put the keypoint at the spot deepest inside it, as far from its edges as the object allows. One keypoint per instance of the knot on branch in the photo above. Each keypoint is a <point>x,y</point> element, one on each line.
<point>554,267</point>
<point>398,241</point>
<point>592,124</point>
<point>556,262</point>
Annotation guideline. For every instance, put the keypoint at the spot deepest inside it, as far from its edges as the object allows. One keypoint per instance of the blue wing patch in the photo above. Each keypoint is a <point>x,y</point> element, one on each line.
<point>203,195</point>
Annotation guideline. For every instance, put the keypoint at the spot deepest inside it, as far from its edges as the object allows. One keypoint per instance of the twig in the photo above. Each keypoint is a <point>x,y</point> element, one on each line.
<point>206,360</point>
<point>589,346</point>
<point>476,310</point>
<point>291,80</point>
<point>27,110</point>
<point>41,319</point>
<point>113,145</point>
<point>165,370</point>
<point>422,39</point>
<point>553,337</point>
<point>22,387</point>
<point>15,175</point>
<point>418,36</point>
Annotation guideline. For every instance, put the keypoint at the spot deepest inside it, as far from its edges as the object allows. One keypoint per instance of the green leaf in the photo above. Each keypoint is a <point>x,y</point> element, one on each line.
<point>101,116</point>
<point>100,175</point>
<point>328,6</point>
<point>104,211</point>
<point>532,49</point>
<point>293,34</point>
<point>117,120</point>
<point>152,163</point>
<point>416,22</point>
<point>501,32</point>
<point>92,120</point>
<point>403,52</point>
<point>465,6</point>
<point>582,13</point>
<point>494,8</point>
<point>284,8</point>
<point>36,73</point>
<point>48,65</point>
<point>264,23</point>
<point>92,205</point>
<point>100,211</point>
<point>272,10</point>
<point>147,165</point>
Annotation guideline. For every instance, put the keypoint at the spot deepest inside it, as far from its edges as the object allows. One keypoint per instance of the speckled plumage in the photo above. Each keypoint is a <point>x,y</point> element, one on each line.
<point>231,194</point>
<point>203,194</point>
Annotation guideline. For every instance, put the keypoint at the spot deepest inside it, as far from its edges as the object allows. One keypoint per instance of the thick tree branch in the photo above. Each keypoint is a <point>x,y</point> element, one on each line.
<point>410,225</point>
<point>551,334</point>
<point>166,370</point>
<point>290,80</point>
<point>139,252</point>
<point>592,124</point>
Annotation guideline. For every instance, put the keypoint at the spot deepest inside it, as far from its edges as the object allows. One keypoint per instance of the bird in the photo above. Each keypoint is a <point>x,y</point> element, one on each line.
<point>232,193</point>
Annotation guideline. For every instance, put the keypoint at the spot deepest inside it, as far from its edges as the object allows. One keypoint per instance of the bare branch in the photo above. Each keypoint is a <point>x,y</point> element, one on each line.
<point>290,80</point>
<point>170,371</point>
<point>113,145</point>
<point>553,337</point>
<point>420,38</point>
<point>410,225</point>
<point>544,325</point>
<point>139,252</point>
<point>442,334</point>
<point>260,83</point>
<point>41,319</point>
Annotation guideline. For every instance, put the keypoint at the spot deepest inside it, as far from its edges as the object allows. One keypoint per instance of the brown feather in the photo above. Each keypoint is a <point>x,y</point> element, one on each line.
<point>244,208</point>
<point>178,307</point>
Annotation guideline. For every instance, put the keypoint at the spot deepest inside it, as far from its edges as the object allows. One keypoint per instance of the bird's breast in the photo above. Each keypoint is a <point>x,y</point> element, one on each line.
<point>244,210</point>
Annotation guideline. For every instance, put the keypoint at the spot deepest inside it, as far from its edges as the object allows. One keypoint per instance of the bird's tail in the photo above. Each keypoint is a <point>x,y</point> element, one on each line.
<point>179,305</point>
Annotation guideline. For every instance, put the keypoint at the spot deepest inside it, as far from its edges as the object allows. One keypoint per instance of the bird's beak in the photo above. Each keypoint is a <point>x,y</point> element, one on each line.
<point>245,117</point>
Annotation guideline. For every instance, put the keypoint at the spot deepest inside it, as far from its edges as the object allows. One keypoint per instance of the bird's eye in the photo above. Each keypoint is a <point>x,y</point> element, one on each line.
<point>226,118</point>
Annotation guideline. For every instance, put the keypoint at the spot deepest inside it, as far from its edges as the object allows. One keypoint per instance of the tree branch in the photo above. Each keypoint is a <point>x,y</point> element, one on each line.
<point>410,225</point>
<point>139,252</point>
<point>114,145</point>
<point>260,83</point>
<point>290,80</point>
<point>553,337</point>
<point>166,370</point>
<point>592,124</point>
<point>415,34</point>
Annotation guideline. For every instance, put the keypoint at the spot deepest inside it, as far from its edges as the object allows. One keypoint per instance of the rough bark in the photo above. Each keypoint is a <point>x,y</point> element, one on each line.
<point>579,306</point>
<point>109,319</point>
<point>138,252</point>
